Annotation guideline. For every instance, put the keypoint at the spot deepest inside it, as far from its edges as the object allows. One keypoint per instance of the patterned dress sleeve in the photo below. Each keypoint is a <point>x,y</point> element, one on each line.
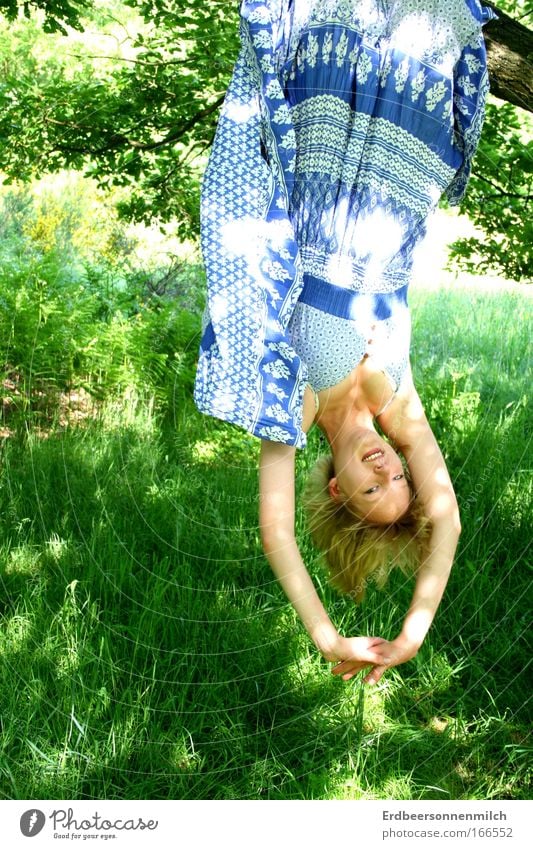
<point>248,372</point>
<point>470,90</point>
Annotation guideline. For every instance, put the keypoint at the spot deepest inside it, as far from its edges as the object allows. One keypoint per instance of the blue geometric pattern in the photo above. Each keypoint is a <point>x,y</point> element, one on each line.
<point>344,123</point>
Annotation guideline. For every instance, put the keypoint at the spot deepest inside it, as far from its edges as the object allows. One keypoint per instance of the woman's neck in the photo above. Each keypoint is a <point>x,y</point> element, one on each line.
<point>352,403</point>
<point>339,420</point>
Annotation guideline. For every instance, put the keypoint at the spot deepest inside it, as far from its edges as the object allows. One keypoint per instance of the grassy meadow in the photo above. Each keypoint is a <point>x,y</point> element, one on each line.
<point>146,652</point>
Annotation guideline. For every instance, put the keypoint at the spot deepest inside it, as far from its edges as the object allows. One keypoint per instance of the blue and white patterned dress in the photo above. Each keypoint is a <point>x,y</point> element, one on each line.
<point>344,123</point>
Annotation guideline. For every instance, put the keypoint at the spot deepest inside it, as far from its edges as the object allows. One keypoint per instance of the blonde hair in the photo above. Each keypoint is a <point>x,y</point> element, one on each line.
<point>356,551</point>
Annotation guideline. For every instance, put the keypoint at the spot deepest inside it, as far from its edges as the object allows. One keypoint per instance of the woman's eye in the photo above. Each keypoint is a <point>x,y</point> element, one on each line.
<point>371,490</point>
<point>398,477</point>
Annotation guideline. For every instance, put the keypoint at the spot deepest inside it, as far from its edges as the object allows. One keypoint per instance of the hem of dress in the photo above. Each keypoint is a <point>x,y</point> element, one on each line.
<point>298,440</point>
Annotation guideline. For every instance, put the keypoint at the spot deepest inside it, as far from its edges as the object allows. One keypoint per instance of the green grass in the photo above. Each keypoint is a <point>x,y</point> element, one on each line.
<point>147,652</point>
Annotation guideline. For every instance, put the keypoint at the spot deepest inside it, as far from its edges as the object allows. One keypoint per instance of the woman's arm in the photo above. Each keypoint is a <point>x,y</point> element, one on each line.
<point>431,581</point>
<point>406,424</point>
<point>276,520</point>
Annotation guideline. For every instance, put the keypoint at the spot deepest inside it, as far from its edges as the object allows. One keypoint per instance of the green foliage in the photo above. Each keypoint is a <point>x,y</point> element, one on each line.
<point>45,321</point>
<point>142,117</point>
<point>498,198</point>
<point>518,9</point>
<point>57,14</point>
<point>59,336</point>
<point>76,313</point>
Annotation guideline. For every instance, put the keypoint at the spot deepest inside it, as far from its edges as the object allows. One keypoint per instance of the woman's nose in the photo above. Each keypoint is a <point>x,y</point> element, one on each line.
<point>381,465</point>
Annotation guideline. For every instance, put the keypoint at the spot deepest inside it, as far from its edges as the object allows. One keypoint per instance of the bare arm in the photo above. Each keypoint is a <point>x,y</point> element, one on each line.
<point>406,424</point>
<point>276,519</point>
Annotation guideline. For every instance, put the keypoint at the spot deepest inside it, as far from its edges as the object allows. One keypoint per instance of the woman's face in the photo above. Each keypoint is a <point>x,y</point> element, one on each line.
<point>370,478</point>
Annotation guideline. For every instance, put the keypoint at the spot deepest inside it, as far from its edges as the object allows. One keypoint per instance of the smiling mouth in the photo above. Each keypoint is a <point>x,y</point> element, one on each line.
<point>374,454</point>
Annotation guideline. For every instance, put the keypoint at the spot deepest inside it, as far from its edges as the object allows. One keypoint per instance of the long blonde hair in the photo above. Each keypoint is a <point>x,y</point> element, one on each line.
<point>356,551</point>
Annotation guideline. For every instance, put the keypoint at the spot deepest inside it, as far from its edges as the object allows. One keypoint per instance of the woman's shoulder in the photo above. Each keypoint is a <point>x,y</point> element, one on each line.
<point>404,421</point>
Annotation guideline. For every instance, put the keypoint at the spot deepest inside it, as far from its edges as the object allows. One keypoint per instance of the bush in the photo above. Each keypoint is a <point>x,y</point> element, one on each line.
<point>78,314</point>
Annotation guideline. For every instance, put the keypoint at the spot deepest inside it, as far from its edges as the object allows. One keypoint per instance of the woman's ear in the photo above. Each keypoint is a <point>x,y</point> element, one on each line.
<point>334,491</point>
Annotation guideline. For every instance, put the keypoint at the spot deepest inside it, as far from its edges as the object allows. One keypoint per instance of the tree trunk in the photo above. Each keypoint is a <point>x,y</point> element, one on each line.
<point>509,57</point>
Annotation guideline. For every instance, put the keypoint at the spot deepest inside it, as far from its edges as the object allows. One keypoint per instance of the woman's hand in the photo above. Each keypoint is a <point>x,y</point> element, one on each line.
<point>385,654</point>
<point>354,654</point>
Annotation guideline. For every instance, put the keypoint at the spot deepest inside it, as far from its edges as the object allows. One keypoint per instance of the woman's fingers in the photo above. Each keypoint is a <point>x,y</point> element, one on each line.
<point>349,667</point>
<point>374,676</point>
<point>368,652</point>
<point>364,659</point>
<point>345,666</point>
<point>350,674</point>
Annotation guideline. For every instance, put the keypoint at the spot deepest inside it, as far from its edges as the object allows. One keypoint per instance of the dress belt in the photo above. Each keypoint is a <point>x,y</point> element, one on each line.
<point>336,300</point>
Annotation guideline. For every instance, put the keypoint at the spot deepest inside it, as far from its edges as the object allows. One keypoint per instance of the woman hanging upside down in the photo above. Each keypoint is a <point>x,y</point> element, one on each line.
<point>344,123</point>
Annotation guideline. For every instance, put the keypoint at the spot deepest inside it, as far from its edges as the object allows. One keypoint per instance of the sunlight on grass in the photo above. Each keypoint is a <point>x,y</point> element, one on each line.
<point>15,631</point>
<point>23,560</point>
<point>183,757</point>
<point>438,724</point>
<point>67,663</point>
<point>204,450</point>
<point>375,717</point>
<point>398,788</point>
<point>57,547</point>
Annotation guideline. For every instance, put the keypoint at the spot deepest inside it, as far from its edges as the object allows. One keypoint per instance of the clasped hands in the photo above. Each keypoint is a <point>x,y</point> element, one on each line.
<point>353,654</point>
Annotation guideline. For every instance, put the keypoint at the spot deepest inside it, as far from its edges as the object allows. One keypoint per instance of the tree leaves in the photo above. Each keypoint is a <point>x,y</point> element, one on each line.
<point>141,116</point>
<point>499,197</point>
<point>57,13</point>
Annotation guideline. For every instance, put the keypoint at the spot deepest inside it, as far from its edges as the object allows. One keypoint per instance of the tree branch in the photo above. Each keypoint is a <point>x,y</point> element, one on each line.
<point>117,140</point>
<point>509,59</point>
<point>501,192</point>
